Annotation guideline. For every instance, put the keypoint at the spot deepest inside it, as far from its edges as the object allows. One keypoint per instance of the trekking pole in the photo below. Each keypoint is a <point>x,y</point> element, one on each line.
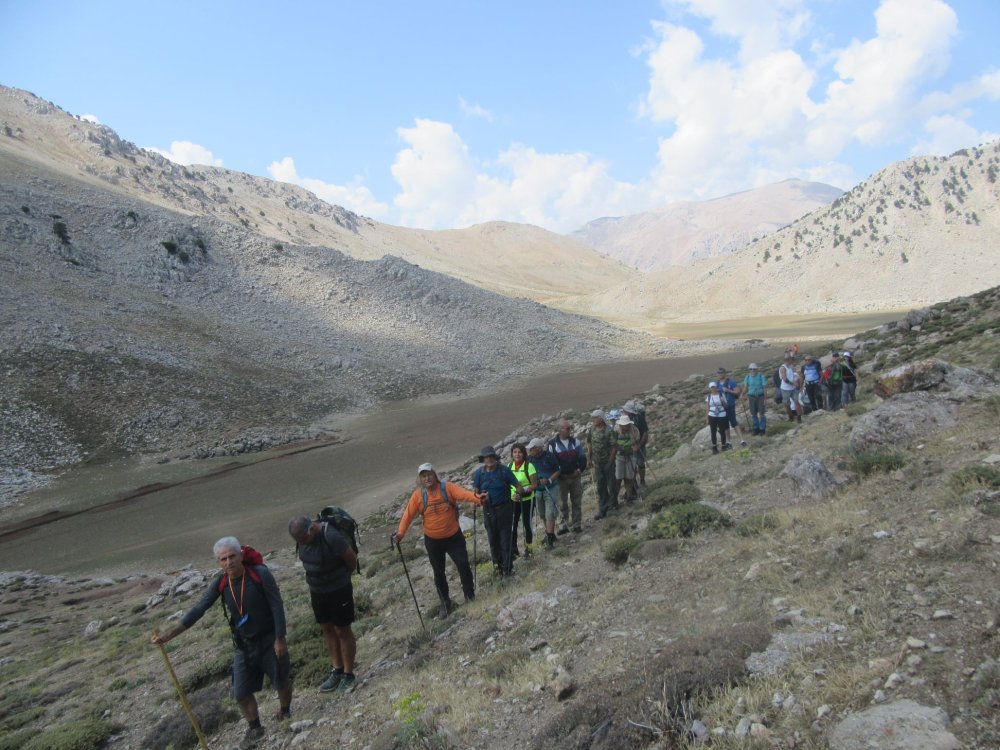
<point>180,694</point>
<point>475,552</point>
<point>746,414</point>
<point>402,559</point>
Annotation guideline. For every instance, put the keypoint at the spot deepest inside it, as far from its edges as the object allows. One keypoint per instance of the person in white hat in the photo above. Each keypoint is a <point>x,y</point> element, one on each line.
<point>755,386</point>
<point>716,417</point>
<point>623,454</point>
<point>850,375</point>
<point>437,502</point>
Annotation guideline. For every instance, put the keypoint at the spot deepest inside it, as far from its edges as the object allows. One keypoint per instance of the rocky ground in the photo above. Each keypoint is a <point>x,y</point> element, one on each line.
<point>832,585</point>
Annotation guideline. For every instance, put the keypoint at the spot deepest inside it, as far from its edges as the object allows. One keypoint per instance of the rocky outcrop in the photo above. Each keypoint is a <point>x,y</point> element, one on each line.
<point>902,419</point>
<point>901,725</point>
<point>960,383</point>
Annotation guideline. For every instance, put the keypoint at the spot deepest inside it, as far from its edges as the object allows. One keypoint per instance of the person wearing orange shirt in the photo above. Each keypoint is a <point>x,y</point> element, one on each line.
<point>437,502</point>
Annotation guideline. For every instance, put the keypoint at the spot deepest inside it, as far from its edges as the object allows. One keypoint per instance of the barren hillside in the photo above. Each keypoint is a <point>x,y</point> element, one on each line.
<point>680,233</point>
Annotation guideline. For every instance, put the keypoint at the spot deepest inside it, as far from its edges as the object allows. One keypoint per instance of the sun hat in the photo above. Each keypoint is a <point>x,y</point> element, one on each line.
<point>721,371</point>
<point>624,421</point>
<point>536,443</point>
<point>631,407</point>
<point>597,413</point>
<point>425,467</point>
<point>488,450</point>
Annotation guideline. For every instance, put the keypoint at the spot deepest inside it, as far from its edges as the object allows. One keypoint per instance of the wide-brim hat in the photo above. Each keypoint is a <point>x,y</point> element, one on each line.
<point>488,450</point>
<point>624,420</point>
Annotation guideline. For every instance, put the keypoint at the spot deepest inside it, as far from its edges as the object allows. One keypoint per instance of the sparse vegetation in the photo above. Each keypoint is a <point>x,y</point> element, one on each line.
<point>61,231</point>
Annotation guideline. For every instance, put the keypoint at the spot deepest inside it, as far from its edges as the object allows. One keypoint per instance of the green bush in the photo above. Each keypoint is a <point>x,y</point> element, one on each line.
<point>977,476</point>
<point>88,734</point>
<point>757,525</point>
<point>61,231</point>
<point>673,494</point>
<point>866,462</point>
<point>617,552</point>
<point>170,246</point>
<point>685,520</point>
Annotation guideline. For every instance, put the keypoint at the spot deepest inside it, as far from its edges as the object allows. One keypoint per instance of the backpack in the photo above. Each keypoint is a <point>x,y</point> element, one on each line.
<point>343,522</point>
<point>444,494</point>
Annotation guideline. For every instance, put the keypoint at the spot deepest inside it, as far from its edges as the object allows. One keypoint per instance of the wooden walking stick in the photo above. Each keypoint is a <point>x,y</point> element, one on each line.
<point>180,694</point>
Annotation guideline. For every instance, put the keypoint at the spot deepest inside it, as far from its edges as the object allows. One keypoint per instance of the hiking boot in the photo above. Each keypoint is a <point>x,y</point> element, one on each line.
<point>550,541</point>
<point>252,737</point>
<point>446,609</point>
<point>715,449</point>
<point>578,529</point>
<point>331,682</point>
<point>727,447</point>
<point>284,713</point>
<point>743,443</point>
<point>347,683</point>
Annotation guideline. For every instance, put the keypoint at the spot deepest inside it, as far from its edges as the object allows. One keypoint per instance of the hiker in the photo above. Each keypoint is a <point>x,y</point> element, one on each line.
<point>437,502</point>
<point>836,380</point>
<point>547,469</point>
<point>824,386</point>
<point>731,391</point>
<point>812,374</point>
<point>328,561</point>
<point>256,617</point>
<point>572,462</point>
<point>850,378</point>
<point>637,413</point>
<point>493,483</point>
<point>755,386</point>
<point>790,389</point>
<point>623,451</point>
<point>524,511</point>
<point>600,437</point>
<point>717,417</point>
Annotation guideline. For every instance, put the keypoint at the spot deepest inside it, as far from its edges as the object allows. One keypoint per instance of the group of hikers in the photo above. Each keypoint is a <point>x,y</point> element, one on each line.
<point>541,476</point>
<point>801,389</point>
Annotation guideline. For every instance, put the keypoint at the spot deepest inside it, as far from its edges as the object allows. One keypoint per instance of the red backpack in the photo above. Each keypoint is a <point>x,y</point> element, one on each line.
<point>251,559</point>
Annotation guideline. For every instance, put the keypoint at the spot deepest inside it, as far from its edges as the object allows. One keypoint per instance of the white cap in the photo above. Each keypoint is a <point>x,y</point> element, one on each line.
<point>597,413</point>
<point>753,366</point>
<point>624,420</point>
<point>425,467</point>
<point>536,443</point>
<point>713,384</point>
<point>847,354</point>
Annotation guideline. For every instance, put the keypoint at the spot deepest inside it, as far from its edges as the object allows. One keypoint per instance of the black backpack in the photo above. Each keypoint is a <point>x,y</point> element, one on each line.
<point>343,522</point>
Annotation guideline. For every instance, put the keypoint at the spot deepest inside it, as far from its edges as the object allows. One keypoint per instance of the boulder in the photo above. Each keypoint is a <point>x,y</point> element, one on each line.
<point>901,420</point>
<point>960,383</point>
<point>901,725</point>
<point>810,475</point>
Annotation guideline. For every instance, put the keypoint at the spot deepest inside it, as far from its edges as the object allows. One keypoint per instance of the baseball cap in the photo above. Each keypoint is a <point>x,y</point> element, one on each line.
<point>536,443</point>
<point>425,467</point>
<point>597,413</point>
<point>753,366</point>
<point>713,384</point>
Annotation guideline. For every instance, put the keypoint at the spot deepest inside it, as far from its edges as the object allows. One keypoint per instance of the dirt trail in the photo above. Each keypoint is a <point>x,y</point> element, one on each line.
<point>375,462</point>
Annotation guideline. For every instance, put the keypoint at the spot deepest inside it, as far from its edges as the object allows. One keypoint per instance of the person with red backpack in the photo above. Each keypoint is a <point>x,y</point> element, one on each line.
<point>256,617</point>
<point>328,560</point>
<point>437,502</point>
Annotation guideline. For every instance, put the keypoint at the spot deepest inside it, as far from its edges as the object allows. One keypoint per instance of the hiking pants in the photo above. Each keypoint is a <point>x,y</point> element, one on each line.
<point>522,512</point>
<point>847,394</point>
<point>758,411</point>
<point>815,396</point>
<point>604,480</point>
<point>499,522</point>
<point>835,389</point>
<point>454,547</point>
<point>571,494</point>
<point>719,425</point>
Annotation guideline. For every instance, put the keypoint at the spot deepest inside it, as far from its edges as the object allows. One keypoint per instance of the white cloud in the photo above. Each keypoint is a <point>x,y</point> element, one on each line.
<point>90,118</point>
<point>946,134</point>
<point>756,116</point>
<point>356,197</point>
<point>443,186</point>
<point>474,110</point>
<point>186,153</point>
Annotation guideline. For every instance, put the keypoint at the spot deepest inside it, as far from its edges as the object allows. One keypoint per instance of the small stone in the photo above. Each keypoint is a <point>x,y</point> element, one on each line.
<point>913,661</point>
<point>942,614</point>
<point>881,534</point>
<point>698,730</point>
<point>894,680</point>
<point>915,643</point>
<point>93,628</point>
<point>854,610</point>
<point>879,697</point>
<point>301,725</point>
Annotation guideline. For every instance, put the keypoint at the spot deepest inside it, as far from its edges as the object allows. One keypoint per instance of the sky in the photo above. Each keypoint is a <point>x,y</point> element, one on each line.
<point>441,114</point>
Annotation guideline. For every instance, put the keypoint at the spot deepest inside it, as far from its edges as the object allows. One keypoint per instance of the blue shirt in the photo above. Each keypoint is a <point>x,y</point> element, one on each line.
<point>730,397</point>
<point>497,483</point>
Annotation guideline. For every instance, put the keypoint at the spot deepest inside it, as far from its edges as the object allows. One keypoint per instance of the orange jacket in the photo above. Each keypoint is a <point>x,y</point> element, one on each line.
<point>441,517</point>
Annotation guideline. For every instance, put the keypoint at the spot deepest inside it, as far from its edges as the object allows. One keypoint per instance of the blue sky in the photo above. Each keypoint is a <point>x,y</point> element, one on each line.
<point>445,114</point>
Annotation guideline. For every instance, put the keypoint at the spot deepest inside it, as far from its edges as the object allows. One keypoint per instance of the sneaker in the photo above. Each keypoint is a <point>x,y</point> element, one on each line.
<point>347,683</point>
<point>331,682</point>
<point>743,443</point>
<point>252,737</point>
<point>284,713</point>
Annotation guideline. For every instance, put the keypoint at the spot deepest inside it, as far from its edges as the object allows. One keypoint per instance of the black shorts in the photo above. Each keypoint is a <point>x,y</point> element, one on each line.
<point>335,607</point>
<point>253,662</point>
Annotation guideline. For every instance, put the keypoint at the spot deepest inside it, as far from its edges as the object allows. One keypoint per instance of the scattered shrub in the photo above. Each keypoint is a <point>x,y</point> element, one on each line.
<point>175,730</point>
<point>278,246</point>
<point>617,552</point>
<point>685,520</point>
<point>977,476</point>
<point>170,247</point>
<point>673,494</point>
<point>867,462</point>
<point>61,231</point>
<point>25,210</point>
<point>88,734</point>
<point>183,256</point>
<point>756,525</point>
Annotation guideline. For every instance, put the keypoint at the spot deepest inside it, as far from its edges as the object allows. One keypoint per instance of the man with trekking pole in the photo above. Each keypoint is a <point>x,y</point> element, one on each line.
<point>329,561</point>
<point>256,617</point>
<point>437,503</point>
<point>547,468</point>
<point>493,482</point>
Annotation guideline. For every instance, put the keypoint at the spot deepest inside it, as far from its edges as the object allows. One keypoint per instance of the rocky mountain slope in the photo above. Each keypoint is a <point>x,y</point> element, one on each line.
<point>831,586</point>
<point>914,233</point>
<point>132,328</point>
<point>682,232</point>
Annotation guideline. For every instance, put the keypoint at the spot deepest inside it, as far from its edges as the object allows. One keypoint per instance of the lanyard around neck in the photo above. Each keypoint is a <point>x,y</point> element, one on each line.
<point>239,604</point>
